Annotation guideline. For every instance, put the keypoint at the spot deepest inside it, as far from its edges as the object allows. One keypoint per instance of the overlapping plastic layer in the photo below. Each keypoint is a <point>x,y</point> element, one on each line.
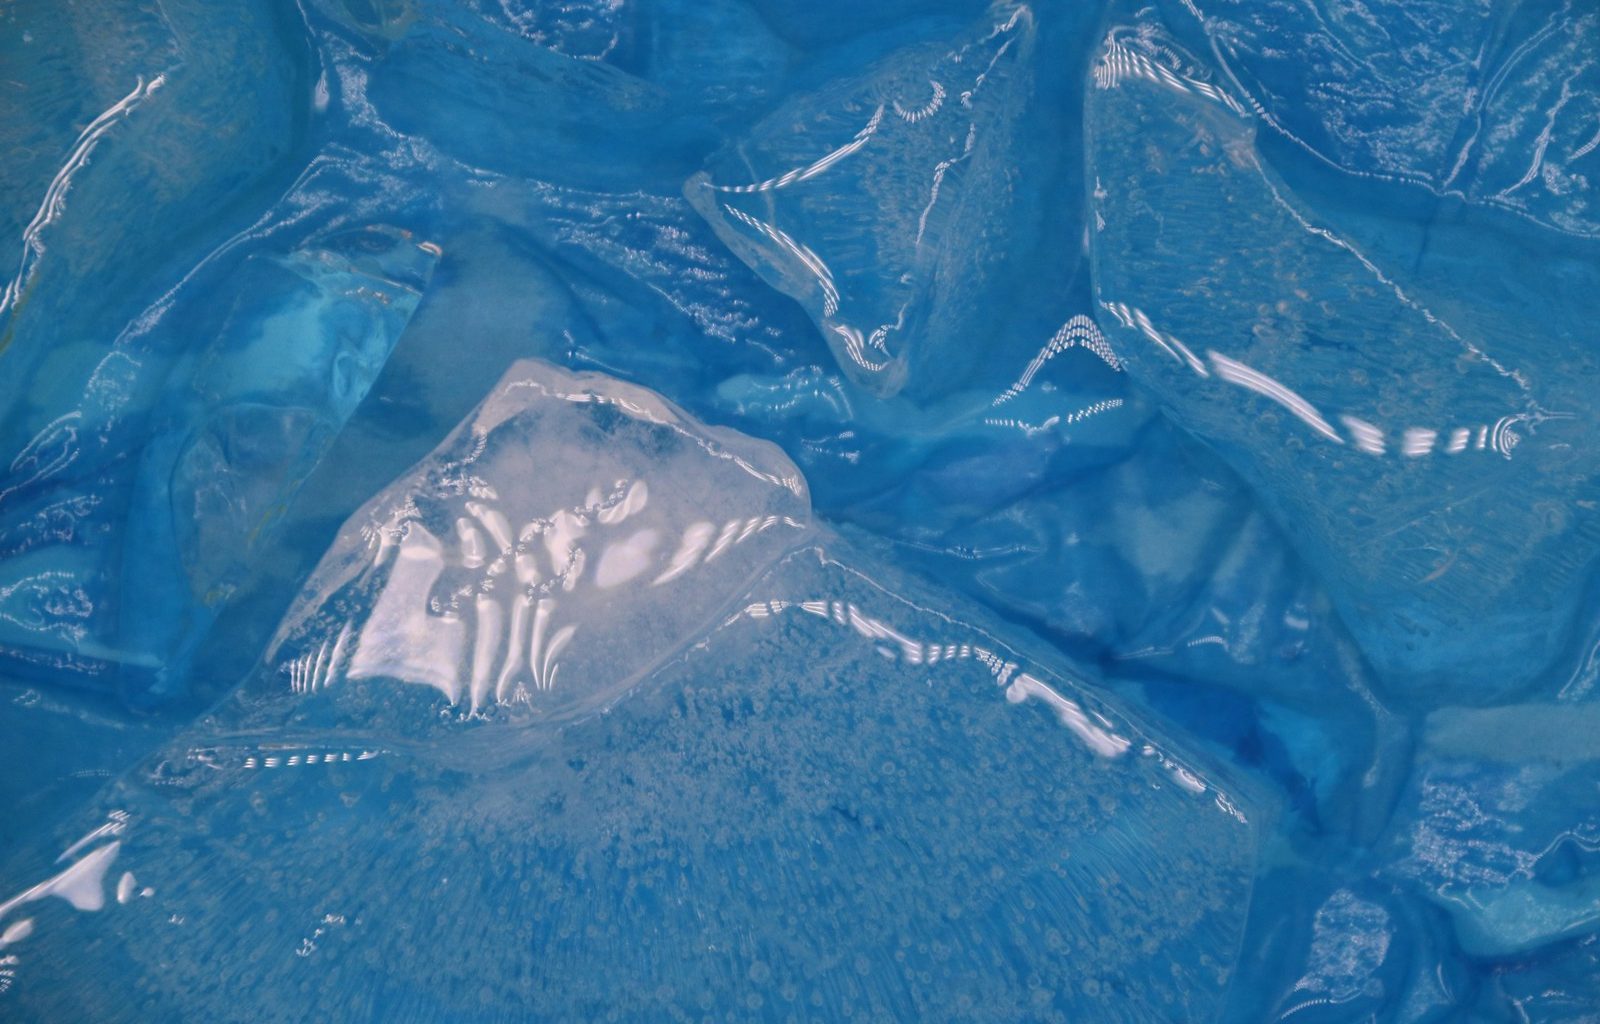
<point>871,201</point>
<point>1498,832</point>
<point>126,528</point>
<point>823,795</point>
<point>562,541</point>
<point>1467,100</point>
<point>523,510</point>
<point>1372,427</point>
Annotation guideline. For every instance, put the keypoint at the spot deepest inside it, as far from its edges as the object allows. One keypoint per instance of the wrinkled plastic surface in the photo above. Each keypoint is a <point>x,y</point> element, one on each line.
<point>1225,366</point>
<point>125,529</point>
<point>871,202</point>
<point>1383,434</point>
<point>821,794</point>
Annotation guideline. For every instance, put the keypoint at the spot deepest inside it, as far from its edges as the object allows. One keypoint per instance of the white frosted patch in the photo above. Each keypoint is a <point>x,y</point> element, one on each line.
<point>125,887</point>
<point>638,497</point>
<point>561,540</point>
<point>400,639</point>
<point>494,521</point>
<point>558,643</point>
<point>1349,941</point>
<point>626,559</point>
<point>485,645</point>
<point>632,503</point>
<point>470,542</point>
<point>695,539</point>
<point>526,562</point>
<point>514,672</point>
<point>601,480</point>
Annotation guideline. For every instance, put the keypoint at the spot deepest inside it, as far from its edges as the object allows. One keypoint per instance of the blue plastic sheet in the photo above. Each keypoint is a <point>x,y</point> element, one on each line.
<point>927,510</point>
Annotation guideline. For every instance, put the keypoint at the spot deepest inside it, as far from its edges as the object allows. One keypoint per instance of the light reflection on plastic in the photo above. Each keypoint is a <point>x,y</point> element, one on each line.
<point>511,636</point>
<point>1096,733</point>
<point>1499,438</point>
<point>81,884</point>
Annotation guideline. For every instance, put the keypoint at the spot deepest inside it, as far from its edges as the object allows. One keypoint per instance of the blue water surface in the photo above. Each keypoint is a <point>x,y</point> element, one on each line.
<point>749,510</point>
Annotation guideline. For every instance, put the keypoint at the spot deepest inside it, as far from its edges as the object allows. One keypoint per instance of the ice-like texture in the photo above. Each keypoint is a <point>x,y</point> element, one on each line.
<point>1499,104</point>
<point>871,201</point>
<point>1189,619</point>
<point>565,538</point>
<point>1383,438</point>
<point>119,548</point>
<point>828,792</point>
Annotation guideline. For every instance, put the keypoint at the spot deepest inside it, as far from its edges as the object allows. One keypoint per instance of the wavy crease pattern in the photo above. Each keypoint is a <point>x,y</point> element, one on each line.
<point>926,510</point>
